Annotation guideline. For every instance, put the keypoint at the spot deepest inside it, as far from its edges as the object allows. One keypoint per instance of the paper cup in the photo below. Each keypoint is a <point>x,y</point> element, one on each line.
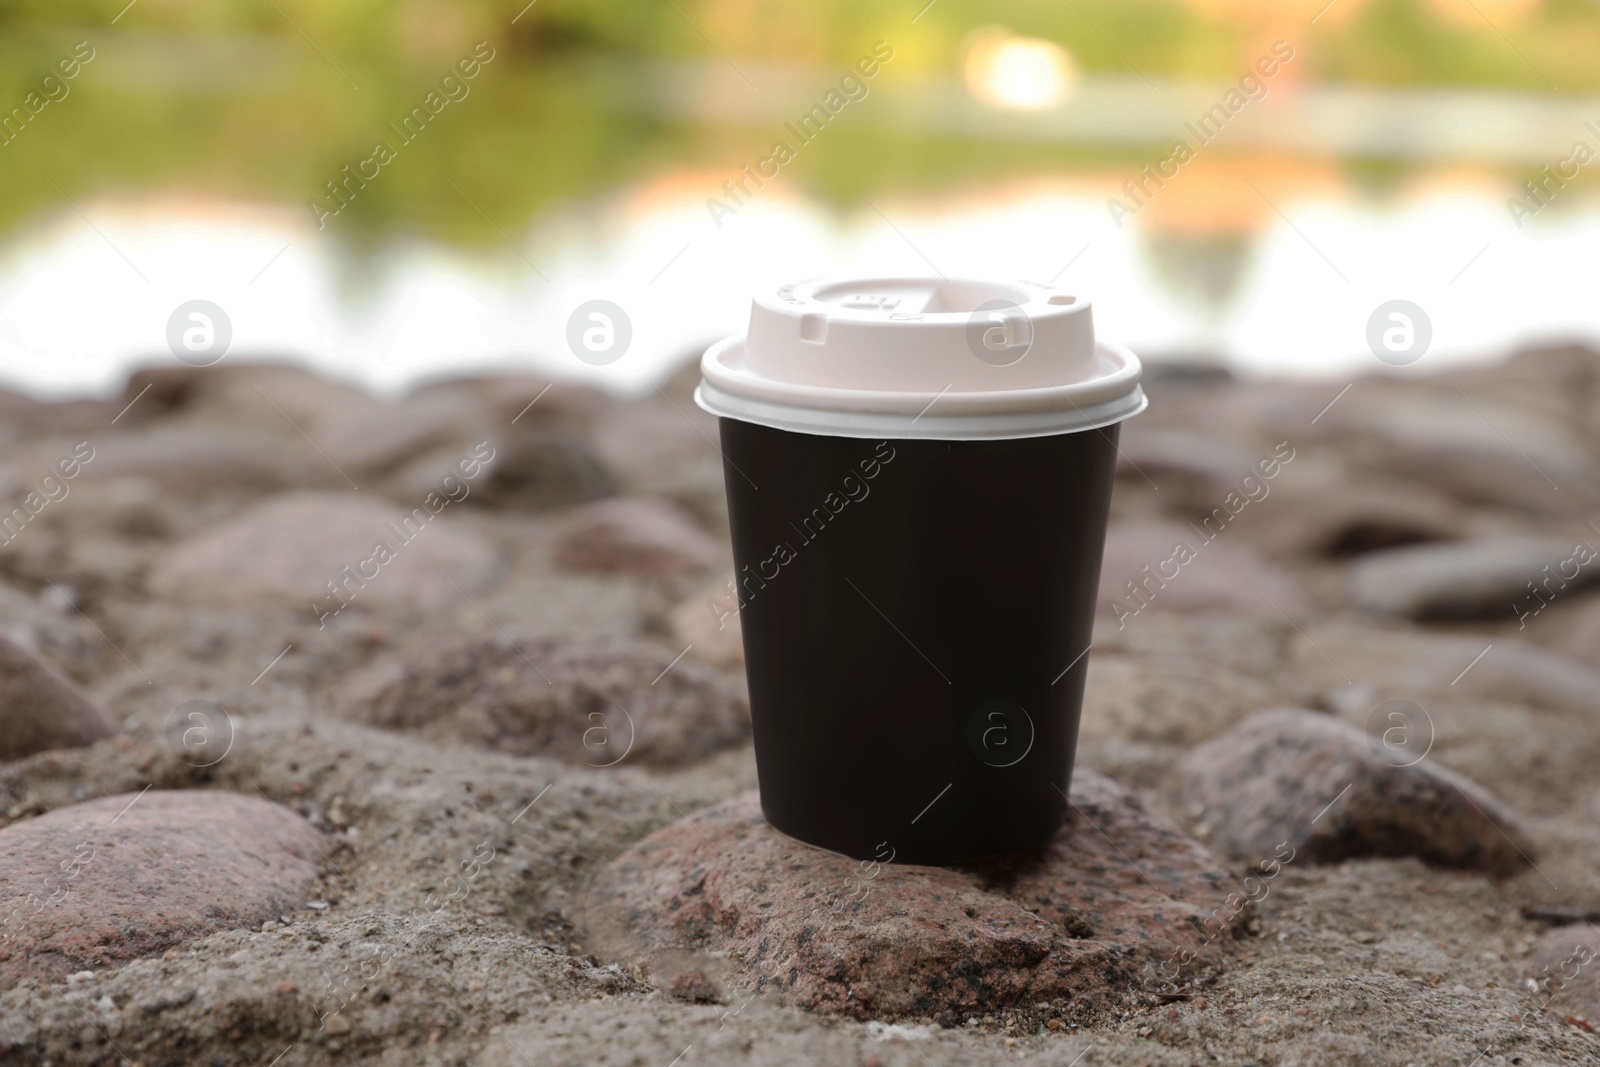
<point>918,475</point>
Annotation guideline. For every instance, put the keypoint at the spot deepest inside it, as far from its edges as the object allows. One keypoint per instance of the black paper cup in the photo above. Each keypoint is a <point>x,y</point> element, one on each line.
<point>916,614</point>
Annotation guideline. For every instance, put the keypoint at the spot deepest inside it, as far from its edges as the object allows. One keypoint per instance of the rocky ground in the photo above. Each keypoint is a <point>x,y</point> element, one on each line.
<point>272,792</point>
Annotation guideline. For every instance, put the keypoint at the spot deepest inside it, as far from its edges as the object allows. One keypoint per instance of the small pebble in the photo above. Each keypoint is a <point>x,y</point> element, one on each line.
<point>43,708</point>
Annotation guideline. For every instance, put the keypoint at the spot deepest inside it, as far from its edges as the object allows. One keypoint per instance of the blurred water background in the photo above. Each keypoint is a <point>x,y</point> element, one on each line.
<point>234,152</point>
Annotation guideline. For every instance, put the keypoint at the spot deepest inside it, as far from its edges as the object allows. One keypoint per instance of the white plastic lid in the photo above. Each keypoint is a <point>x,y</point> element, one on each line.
<point>921,358</point>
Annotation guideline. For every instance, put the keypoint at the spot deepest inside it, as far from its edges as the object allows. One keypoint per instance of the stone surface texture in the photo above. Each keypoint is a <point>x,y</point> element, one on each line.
<point>591,704</point>
<point>1331,791</point>
<point>97,884</point>
<point>288,550</point>
<point>1110,910</point>
<point>638,536</point>
<point>500,878</point>
<point>1511,577</point>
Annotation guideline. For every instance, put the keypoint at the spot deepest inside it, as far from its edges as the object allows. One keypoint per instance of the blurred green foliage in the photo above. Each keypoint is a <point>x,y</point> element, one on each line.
<point>271,99</point>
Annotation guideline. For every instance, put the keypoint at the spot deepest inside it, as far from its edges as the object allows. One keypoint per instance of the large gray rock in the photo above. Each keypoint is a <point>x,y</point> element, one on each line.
<point>1297,780</point>
<point>1512,578</point>
<point>287,551</point>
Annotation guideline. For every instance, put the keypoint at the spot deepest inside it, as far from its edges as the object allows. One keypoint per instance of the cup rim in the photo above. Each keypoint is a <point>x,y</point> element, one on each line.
<point>731,389</point>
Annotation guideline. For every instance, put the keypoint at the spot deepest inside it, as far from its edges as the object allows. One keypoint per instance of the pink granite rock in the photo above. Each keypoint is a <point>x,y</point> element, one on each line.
<point>1120,905</point>
<point>97,884</point>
